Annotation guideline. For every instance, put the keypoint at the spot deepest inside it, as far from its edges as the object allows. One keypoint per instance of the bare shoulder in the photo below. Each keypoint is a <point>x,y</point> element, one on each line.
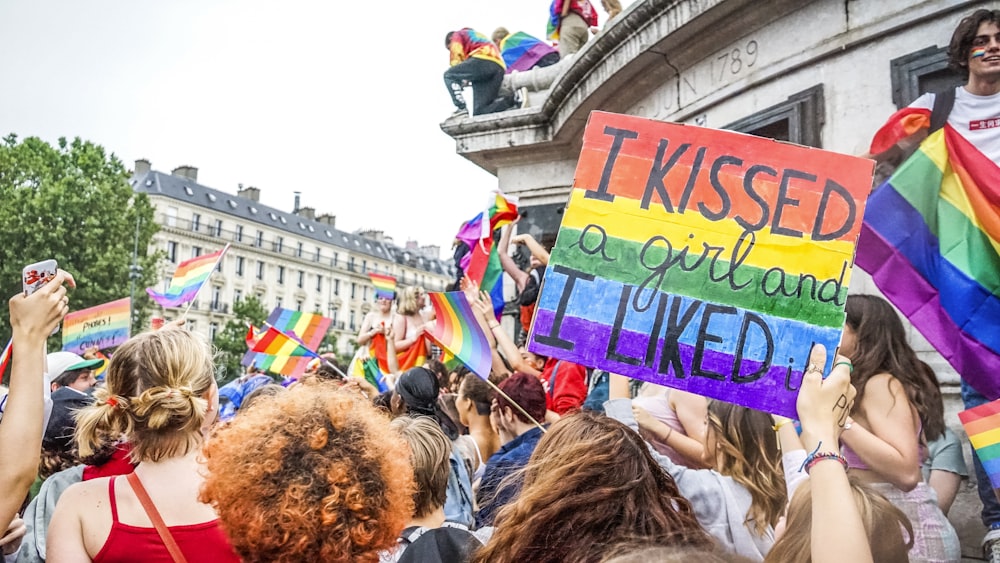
<point>85,494</point>
<point>884,385</point>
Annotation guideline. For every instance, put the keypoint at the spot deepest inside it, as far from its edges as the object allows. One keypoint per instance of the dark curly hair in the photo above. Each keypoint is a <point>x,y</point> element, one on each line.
<point>965,32</point>
<point>314,474</point>
<point>590,483</point>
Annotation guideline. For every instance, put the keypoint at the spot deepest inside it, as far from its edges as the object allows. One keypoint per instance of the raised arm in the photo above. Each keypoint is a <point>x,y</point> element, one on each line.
<point>32,320</point>
<point>519,276</point>
<point>536,249</point>
<point>504,343</point>
<point>822,406</point>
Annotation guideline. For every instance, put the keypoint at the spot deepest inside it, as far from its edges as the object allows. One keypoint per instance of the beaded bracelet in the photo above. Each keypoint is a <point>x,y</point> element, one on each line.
<point>815,457</point>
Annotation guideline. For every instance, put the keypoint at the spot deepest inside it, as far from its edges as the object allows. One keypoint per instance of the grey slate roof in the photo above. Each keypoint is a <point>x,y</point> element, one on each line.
<point>248,211</point>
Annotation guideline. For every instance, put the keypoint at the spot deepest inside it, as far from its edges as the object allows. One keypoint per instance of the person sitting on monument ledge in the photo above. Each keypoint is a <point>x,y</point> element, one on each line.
<point>477,61</point>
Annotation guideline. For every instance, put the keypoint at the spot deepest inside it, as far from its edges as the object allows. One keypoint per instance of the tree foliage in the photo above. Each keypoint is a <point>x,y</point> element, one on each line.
<point>72,203</point>
<point>231,342</point>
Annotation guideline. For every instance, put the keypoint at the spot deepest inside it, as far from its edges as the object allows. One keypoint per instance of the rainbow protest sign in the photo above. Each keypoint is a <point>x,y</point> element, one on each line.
<point>104,326</point>
<point>703,260</point>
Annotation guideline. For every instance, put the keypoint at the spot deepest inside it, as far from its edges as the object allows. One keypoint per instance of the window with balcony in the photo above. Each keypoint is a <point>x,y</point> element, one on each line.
<point>239,265</point>
<point>279,243</point>
<point>354,290</point>
<point>218,228</point>
<point>350,263</point>
<point>319,282</point>
<point>238,234</point>
<point>336,287</point>
<point>216,297</point>
<point>259,241</point>
<point>171,251</point>
<point>301,283</point>
<point>281,274</point>
<point>364,266</point>
<point>171,216</point>
<point>195,221</point>
<point>260,270</point>
<point>352,321</point>
<point>298,250</point>
<point>333,262</point>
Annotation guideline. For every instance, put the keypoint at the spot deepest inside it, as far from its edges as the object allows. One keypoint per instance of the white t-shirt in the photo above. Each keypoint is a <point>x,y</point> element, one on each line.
<point>977,118</point>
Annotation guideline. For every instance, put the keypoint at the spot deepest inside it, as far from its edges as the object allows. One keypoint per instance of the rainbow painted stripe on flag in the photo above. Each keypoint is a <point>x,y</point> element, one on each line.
<point>703,260</point>
<point>188,278</point>
<point>982,424</point>
<point>103,326</point>
<point>309,328</point>
<point>931,241</point>
<point>458,332</point>
<point>385,286</point>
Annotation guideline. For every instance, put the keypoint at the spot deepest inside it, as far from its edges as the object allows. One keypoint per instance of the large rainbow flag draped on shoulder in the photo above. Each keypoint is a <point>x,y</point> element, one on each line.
<point>413,356</point>
<point>308,328</point>
<point>482,263</point>
<point>931,241</point>
<point>188,278</point>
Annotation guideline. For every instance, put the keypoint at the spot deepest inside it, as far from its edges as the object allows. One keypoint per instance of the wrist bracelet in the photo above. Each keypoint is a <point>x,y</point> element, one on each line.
<point>494,326</point>
<point>816,458</point>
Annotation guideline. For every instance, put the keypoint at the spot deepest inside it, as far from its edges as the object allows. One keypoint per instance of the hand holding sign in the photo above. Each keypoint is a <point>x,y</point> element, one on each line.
<point>824,404</point>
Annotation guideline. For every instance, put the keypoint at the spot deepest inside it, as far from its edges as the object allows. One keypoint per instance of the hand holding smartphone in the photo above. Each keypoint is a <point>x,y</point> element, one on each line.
<point>36,275</point>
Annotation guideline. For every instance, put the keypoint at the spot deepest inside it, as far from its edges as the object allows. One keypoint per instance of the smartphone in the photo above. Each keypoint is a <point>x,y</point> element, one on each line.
<point>34,276</point>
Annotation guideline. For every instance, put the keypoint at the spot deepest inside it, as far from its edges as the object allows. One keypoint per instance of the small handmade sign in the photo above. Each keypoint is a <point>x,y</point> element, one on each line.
<point>703,260</point>
<point>103,326</point>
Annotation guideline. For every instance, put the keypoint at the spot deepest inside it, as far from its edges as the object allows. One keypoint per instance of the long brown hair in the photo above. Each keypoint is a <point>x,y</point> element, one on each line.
<point>747,451</point>
<point>591,482</point>
<point>883,522</point>
<point>881,347</point>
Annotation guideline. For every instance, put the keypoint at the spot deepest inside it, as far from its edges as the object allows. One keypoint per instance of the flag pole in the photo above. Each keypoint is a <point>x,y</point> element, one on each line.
<point>513,402</point>
<point>196,293</point>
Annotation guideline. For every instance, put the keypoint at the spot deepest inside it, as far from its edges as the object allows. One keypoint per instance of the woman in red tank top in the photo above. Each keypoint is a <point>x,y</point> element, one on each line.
<point>161,394</point>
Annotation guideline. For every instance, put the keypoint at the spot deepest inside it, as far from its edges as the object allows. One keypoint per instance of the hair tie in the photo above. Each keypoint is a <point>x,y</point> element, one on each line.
<point>112,402</point>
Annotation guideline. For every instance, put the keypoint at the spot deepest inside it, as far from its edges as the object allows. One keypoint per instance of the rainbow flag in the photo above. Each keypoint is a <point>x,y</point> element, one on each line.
<point>308,328</point>
<point>555,18</point>
<point>982,424</point>
<point>482,263</point>
<point>5,358</point>
<point>521,51</point>
<point>931,241</point>
<point>385,286</point>
<point>103,326</point>
<point>457,332</point>
<point>188,278</point>
<point>273,342</point>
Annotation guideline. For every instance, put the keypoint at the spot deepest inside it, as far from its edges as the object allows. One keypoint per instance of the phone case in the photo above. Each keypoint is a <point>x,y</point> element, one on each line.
<point>38,274</point>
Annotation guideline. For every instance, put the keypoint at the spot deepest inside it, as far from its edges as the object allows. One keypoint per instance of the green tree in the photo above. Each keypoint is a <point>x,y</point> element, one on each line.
<point>73,203</point>
<point>231,343</point>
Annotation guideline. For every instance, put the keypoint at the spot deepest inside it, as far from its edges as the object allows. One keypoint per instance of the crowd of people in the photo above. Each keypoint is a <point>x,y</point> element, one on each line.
<point>543,460</point>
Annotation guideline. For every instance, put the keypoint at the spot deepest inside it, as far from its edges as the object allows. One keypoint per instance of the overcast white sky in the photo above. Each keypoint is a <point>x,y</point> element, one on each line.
<point>333,99</point>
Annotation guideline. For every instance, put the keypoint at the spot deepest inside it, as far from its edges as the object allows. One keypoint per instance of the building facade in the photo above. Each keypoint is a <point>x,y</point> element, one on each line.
<point>296,260</point>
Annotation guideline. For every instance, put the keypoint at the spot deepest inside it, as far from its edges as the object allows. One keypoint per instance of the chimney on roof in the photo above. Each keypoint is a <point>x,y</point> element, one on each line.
<point>412,245</point>
<point>327,219</point>
<point>307,213</point>
<point>251,193</point>
<point>142,166</point>
<point>189,172</point>
<point>298,201</point>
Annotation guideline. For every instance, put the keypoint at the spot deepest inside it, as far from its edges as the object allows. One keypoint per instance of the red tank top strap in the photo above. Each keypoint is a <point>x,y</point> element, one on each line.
<point>111,495</point>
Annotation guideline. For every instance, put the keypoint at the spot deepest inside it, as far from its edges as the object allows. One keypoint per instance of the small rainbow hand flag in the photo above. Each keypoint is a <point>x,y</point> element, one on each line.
<point>385,286</point>
<point>5,358</point>
<point>188,279</point>
<point>982,424</point>
<point>458,332</point>
<point>273,342</point>
<point>103,326</point>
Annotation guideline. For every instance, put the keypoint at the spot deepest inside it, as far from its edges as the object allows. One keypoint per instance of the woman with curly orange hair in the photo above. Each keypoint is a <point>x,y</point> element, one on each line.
<point>590,483</point>
<point>314,474</point>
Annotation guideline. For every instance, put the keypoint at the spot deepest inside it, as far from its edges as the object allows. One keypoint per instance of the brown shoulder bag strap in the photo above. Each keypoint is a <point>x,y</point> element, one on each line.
<point>154,517</point>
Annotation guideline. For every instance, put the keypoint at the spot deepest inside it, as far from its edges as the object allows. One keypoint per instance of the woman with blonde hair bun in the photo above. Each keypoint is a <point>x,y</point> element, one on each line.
<point>162,397</point>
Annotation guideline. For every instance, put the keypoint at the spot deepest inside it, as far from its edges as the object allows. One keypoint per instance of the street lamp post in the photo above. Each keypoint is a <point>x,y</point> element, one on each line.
<point>134,271</point>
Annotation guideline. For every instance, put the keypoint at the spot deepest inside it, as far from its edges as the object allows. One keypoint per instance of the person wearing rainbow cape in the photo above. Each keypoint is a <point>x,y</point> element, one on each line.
<point>947,195</point>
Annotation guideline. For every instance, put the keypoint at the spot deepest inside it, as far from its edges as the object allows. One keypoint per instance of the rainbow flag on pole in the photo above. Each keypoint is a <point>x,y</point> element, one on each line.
<point>308,328</point>
<point>931,241</point>
<point>5,358</point>
<point>982,424</point>
<point>458,332</point>
<point>482,263</point>
<point>273,342</point>
<point>188,279</point>
<point>385,286</point>
<point>103,326</point>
